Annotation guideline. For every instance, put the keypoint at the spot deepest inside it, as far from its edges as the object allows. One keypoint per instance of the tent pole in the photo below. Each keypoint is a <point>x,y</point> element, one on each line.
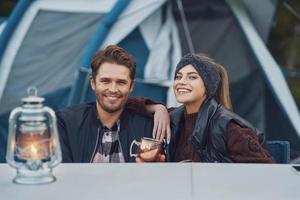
<point>291,10</point>
<point>185,27</point>
<point>12,22</point>
<point>269,66</point>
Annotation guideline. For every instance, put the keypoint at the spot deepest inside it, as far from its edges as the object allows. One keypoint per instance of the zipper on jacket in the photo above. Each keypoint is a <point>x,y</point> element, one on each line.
<point>121,147</point>
<point>95,148</point>
<point>118,124</point>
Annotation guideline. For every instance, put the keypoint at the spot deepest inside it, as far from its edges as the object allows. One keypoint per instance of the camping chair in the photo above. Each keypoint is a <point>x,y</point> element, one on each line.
<point>279,150</point>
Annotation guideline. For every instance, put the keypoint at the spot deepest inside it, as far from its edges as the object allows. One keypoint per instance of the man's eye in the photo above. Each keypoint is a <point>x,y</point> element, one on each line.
<point>104,81</point>
<point>122,83</point>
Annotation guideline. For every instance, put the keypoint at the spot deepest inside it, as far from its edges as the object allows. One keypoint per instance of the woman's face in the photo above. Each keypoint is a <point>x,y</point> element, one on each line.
<point>189,87</point>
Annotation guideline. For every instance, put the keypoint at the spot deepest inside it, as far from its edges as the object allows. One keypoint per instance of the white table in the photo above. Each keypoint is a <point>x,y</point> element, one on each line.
<point>173,181</point>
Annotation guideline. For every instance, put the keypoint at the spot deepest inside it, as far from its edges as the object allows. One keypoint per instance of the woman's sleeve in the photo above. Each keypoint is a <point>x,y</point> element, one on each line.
<point>243,146</point>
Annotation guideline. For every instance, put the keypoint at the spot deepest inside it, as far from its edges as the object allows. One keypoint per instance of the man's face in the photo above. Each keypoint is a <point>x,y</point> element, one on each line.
<point>112,86</point>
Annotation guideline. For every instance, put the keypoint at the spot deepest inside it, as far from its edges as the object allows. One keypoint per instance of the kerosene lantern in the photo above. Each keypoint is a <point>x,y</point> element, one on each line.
<point>33,145</point>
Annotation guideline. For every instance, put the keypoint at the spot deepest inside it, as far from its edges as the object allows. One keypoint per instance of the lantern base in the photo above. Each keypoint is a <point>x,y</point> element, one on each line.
<point>34,177</point>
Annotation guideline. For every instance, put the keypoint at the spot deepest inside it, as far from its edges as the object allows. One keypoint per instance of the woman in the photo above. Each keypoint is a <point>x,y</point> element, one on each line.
<point>203,128</point>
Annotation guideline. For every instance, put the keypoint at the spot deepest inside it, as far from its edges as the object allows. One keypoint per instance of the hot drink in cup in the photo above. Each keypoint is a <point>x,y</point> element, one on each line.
<point>148,149</point>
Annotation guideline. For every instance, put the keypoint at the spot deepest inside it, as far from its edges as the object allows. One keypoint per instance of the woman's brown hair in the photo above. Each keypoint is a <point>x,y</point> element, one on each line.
<point>222,95</point>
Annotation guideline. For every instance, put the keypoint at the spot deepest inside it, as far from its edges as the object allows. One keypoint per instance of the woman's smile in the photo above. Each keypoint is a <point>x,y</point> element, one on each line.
<point>181,90</point>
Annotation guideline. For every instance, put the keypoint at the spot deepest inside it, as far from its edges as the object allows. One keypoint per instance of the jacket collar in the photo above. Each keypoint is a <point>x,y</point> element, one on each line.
<point>123,133</point>
<point>199,134</point>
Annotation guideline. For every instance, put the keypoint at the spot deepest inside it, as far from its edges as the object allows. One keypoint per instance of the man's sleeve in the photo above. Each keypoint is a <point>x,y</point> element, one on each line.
<point>63,138</point>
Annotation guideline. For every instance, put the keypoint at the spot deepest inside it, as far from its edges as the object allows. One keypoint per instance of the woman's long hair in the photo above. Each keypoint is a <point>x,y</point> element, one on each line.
<point>222,95</point>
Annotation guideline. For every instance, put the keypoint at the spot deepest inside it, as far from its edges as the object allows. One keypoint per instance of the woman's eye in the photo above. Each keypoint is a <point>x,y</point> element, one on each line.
<point>177,77</point>
<point>192,77</point>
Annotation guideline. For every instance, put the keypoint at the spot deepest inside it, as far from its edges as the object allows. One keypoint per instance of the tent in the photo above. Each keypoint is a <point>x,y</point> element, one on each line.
<point>49,44</point>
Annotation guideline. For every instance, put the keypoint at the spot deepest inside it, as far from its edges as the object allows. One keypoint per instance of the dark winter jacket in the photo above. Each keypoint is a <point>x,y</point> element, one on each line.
<point>209,135</point>
<point>80,131</point>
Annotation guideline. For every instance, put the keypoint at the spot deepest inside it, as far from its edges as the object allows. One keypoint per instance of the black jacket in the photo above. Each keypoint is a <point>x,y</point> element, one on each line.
<point>79,131</point>
<point>209,135</point>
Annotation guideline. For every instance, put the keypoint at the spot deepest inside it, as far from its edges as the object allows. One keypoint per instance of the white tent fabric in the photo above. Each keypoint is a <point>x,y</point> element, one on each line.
<point>161,63</point>
<point>161,38</point>
<point>2,27</point>
<point>133,16</point>
<point>261,15</point>
<point>138,13</point>
<point>14,81</point>
<point>158,62</point>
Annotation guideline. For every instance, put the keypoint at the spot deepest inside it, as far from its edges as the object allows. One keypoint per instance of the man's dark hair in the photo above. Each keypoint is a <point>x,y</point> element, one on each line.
<point>116,55</point>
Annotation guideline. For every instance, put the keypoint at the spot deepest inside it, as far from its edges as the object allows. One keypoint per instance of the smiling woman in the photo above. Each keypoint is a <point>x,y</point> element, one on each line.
<point>204,129</point>
<point>189,88</point>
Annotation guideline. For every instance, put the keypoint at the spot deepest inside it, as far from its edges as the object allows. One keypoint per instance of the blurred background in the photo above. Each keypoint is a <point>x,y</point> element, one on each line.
<point>49,44</point>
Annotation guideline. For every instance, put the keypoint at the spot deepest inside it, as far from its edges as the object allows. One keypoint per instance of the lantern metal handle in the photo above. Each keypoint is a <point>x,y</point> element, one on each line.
<point>32,90</point>
<point>11,145</point>
<point>54,133</point>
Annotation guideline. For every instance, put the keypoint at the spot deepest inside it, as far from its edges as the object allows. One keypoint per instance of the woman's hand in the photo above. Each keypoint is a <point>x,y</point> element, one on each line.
<point>159,158</point>
<point>161,127</point>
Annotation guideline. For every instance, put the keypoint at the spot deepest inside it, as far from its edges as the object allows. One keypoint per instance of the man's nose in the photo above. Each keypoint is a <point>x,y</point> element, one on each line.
<point>113,87</point>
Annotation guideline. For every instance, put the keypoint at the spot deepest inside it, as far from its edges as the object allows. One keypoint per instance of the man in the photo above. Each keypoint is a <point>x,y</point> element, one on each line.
<point>104,130</point>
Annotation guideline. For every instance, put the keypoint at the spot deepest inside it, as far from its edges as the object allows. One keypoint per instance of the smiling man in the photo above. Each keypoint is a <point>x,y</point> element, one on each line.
<point>103,131</point>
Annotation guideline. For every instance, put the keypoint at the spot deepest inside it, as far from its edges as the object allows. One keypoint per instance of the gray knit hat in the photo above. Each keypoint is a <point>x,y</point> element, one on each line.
<point>205,69</point>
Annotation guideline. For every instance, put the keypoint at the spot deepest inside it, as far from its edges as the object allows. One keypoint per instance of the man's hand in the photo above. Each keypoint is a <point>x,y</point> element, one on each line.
<point>161,128</point>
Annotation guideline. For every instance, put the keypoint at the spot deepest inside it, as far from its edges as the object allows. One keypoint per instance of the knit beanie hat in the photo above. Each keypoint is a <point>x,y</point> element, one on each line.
<point>205,69</point>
